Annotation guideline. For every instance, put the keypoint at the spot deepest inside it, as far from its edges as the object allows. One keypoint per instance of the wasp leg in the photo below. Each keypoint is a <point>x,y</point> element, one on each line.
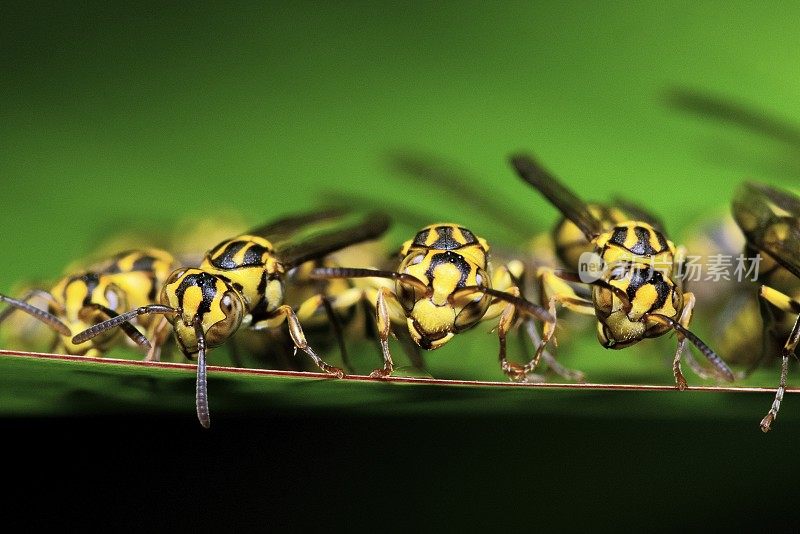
<point>159,332</point>
<point>342,301</point>
<point>338,331</point>
<point>685,318</point>
<point>782,302</point>
<point>286,313</point>
<point>384,330</point>
<point>554,290</point>
<point>549,359</point>
<point>504,279</point>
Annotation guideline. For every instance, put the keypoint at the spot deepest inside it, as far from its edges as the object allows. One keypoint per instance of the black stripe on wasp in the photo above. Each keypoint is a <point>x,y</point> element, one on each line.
<point>241,283</point>
<point>637,290</point>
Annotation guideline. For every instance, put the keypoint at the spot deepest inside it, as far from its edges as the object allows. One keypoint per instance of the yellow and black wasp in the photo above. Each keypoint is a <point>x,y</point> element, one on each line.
<point>241,282</point>
<point>634,275</point>
<point>83,299</point>
<point>770,220</point>
<point>444,285</point>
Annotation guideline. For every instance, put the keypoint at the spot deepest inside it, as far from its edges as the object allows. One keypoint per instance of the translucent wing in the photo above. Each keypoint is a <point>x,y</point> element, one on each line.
<point>751,118</point>
<point>562,198</point>
<point>285,228</point>
<point>306,237</point>
<point>770,220</point>
<point>458,183</point>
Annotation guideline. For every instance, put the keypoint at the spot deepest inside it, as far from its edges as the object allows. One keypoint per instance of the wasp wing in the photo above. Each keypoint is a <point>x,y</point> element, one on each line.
<point>723,109</point>
<point>562,198</point>
<point>306,237</point>
<point>770,220</point>
<point>285,228</point>
<point>460,184</point>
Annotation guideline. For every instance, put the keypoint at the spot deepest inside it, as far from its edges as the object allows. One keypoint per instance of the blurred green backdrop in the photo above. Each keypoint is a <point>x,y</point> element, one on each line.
<point>148,112</point>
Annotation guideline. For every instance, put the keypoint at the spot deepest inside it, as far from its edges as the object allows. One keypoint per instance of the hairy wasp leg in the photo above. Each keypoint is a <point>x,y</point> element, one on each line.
<point>785,303</point>
<point>286,313</point>
<point>549,359</point>
<point>160,333</point>
<point>512,370</point>
<point>338,330</point>
<point>554,290</point>
<point>384,330</point>
<point>686,316</point>
<point>347,299</point>
<point>507,311</point>
<point>720,367</point>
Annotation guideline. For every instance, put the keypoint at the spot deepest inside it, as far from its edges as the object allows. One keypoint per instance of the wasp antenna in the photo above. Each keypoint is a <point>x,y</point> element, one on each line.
<point>201,398</point>
<point>129,330</point>
<point>718,363</point>
<point>521,303</point>
<point>349,272</point>
<point>47,318</point>
<point>95,330</point>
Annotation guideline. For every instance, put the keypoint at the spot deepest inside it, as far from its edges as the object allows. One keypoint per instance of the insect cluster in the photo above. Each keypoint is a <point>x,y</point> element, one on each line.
<point>613,262</point>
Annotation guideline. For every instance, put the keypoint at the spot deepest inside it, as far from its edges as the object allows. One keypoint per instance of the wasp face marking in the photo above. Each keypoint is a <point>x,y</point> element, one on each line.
<point>209,299</point>
<point>648,291</point>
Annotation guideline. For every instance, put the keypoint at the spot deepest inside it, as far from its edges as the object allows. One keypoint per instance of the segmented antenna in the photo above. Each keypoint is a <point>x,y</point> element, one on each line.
<point>47,318</point>
<point>95,330</point>
<point>519,302</point>
<point>201,398</point>
<point>348,272</point>
<point>711,356</point>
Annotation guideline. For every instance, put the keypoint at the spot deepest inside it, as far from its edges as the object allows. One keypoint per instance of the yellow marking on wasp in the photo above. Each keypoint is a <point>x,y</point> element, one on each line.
<point>776,298</point>
<point>433,318</point>
<point>778,211</point>
<point>776,234</point>
<point>644,299</point>
<point>445,280</point>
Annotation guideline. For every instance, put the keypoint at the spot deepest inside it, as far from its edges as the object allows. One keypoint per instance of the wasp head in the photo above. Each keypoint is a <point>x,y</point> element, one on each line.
<point>435,310</point>
<point>202,298</point>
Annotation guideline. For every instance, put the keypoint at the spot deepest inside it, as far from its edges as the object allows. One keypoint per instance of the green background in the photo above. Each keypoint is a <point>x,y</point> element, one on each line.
<point>148,113</point>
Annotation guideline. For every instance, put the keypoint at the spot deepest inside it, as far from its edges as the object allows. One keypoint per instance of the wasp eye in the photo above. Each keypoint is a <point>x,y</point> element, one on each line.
<point>416,260</point>
<point>112,298</point>
<point>226,303</point>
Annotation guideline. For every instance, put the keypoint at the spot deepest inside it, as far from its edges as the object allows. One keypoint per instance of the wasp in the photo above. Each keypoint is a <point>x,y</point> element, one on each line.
<point>770,220</point>
<point>241,283</point>
<point>80,300</point>
<point>444,285</point>
<point>634,276</point>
